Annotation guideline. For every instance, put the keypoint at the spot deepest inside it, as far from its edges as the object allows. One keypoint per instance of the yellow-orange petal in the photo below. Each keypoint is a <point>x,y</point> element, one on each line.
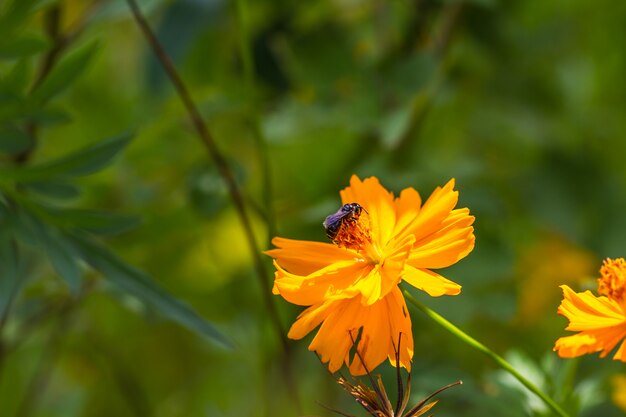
<point>376,327</point>
<point>377,201</point>
<point>309,319</point>
<point>601,340</point>
<point>401,324</point>
<point>332,341</point>
<point>585,311</point>
<point>600,321</point>
<point>448,247</point>
<point>392,268</point>
<point>432,283</point>
<point>304,257</point>
<point>408,206</point>
<point>379,337</point>
<point>337,280</point>
<point>434,211</point>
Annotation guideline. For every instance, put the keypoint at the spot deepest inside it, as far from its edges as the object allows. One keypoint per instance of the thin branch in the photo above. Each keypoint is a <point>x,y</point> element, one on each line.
<point>220,162</point>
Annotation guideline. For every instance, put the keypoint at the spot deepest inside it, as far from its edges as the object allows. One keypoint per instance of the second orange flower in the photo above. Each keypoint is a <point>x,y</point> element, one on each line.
<point>351,285</point>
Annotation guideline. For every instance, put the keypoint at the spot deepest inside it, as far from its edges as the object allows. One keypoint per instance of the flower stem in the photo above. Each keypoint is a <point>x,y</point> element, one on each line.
<point>484,349</point>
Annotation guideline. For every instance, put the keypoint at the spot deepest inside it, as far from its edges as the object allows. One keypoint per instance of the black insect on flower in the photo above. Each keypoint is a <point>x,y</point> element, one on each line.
<point>347,214</point>
<point>375,400</point>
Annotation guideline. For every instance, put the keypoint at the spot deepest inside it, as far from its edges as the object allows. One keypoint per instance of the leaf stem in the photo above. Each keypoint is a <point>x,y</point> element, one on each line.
<point>485,350</point>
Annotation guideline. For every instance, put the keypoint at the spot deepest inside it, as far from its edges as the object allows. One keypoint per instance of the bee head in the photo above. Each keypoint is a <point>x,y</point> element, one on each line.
<point>352,208</point>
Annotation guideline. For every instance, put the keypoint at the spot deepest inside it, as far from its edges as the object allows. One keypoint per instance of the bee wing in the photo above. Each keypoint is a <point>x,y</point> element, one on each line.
<point>334,218</point>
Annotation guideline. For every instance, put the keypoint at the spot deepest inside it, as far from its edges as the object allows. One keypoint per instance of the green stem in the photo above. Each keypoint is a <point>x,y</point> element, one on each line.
<point>484,349</point>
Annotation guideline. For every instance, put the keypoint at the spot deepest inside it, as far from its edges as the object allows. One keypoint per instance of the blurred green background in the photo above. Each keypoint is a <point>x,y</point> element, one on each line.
<point>523,102</point>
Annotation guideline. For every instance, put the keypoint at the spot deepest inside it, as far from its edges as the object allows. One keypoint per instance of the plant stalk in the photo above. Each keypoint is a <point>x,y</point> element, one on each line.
<point>485,350</point>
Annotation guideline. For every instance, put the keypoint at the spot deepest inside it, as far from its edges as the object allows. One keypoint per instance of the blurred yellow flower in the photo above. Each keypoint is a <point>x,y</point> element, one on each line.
<point>538,280</point>
<point>351,286</point>
<point>601,320</point>
<point>619,391</point>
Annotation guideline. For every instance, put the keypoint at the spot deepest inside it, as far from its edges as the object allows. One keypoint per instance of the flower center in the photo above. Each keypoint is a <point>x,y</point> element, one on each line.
<point>354,233</point>
<point>612,281</point>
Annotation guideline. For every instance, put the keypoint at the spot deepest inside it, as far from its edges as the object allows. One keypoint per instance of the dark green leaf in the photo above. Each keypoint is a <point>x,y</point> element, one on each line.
<point>63,258</point>
<point>64,73</point>
<point>82,162</point>
<point>140,285</point>
<point>17,79</point>
<point>98,222</point>
<point>14,140</point>
<point>9,267</point>
<point>27,229</point>
<point>14,109</point>
<point>25,45</point>
<point>53,189</point>
<point>14,14</point>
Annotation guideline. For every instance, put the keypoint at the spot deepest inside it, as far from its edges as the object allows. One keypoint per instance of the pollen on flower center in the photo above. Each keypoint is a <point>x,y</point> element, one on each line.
<point>612,281</point>
<point>354,233</point>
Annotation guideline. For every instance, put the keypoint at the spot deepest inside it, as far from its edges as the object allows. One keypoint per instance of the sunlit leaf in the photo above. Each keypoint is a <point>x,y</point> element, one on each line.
<point>140,285</point>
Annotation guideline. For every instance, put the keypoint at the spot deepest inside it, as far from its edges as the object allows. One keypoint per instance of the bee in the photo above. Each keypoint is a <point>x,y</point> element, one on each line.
<point>347,214</point>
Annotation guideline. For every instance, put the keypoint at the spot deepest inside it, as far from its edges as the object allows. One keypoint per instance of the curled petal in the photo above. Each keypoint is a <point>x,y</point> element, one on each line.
<point>585,311</point>
<point>430,282</point>
<point>434,211</point>
<point>600,321</point>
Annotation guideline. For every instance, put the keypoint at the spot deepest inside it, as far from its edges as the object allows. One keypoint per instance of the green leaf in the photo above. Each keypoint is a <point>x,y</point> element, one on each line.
<point>25,45</point>
<point>16,81</point>
<point>140,285</point>
<point>15,12</point>
<point>14,140</point>
<point>14,109</point>
<point>53,189</point>
<point>64,74</point>
<point>63,258</point>
<point>94,221</point>
<point>82,162</point>
<point>9,267</point>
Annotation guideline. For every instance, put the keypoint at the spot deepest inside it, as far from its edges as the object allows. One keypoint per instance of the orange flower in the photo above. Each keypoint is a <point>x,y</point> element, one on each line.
<point>351,287</point>
<point>601,320</point>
